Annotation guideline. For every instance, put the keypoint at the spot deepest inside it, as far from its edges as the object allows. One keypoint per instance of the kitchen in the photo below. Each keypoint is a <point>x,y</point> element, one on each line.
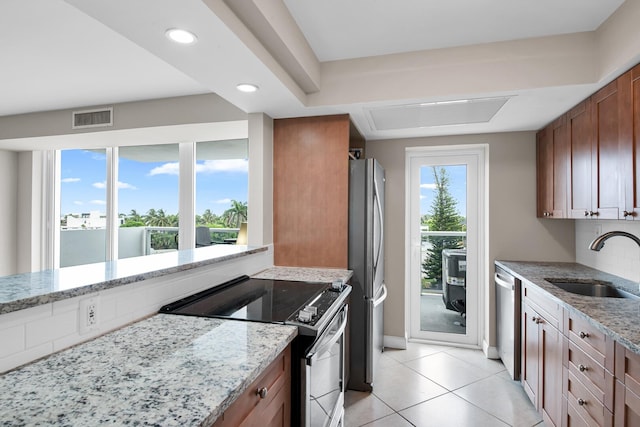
<point>512,169</point>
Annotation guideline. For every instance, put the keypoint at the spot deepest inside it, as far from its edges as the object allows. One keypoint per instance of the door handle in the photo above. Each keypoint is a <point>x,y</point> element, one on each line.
<point>382,297</point>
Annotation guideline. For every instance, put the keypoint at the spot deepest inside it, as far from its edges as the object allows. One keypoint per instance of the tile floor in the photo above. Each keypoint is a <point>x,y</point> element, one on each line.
<point>429,385</point>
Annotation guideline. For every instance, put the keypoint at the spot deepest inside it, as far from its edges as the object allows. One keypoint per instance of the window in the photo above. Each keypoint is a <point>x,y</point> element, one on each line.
<point>221,188</point>
<point>148,199</point>
<point>83,203</point>
<point>142,195</point>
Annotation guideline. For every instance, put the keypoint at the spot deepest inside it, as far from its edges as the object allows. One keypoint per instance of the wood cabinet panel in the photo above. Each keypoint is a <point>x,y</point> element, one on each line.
<point>311,191</point>
<point>606,165</point>
<point>627,413</point>
<point>580,135</point>
<point>553,168</point>
<point>274,409</point>
<point>591,374</point>
<point>629,140</point>
<point>586,404</point>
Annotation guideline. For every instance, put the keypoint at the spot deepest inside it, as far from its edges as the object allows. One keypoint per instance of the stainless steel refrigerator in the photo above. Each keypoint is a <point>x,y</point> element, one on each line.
<point>366,259</point>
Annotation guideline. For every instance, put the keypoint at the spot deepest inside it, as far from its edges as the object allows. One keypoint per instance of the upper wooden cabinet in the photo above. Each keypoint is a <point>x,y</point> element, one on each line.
<point>603,177</point>
<point>553,168</point>
<point>311,191</point>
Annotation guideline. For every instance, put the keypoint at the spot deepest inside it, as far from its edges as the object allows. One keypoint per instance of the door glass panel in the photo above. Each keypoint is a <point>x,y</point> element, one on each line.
<point>443,254</point>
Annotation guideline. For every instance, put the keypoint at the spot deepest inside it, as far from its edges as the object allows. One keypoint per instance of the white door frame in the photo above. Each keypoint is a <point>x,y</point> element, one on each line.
<point>476,238</point>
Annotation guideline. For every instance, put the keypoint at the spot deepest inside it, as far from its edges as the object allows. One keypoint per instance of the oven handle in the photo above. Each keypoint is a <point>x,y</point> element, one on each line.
<point>324,342</point>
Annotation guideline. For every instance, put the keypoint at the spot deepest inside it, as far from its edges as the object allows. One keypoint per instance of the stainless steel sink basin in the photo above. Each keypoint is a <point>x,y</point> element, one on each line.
<point>589,287</point>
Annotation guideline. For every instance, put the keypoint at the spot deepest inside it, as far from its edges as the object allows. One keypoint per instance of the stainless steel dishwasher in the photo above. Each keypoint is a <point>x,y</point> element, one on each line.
<point>508,307</point>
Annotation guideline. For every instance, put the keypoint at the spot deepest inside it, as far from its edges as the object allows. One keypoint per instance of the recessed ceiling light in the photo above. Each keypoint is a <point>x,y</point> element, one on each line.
<point>247,87</point>
<point>181,36</point>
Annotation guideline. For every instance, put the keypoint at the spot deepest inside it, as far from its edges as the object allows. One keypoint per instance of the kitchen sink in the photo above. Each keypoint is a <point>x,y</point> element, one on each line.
<point>590,287</point>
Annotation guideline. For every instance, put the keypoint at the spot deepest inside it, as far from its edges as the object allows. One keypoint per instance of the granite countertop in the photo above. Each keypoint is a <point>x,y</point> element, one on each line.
<point>302,274</point>
<point>166,371</point>
<point>617,317</point>
<point>22,291</point>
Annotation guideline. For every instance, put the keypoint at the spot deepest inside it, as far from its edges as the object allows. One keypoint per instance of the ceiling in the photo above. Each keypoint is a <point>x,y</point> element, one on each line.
<point>361,57</point>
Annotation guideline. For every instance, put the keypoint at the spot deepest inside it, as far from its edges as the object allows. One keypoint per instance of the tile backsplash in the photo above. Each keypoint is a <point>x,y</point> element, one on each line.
<point>620,256</point>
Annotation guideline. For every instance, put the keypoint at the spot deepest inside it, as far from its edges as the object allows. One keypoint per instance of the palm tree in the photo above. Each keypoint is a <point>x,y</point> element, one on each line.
<point>134,216</point>
<point>150,217</point>
<point>208,217</point>
<point>235,215</point>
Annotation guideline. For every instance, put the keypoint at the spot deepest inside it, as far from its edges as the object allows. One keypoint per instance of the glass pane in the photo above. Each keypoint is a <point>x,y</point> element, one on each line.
<point>148,199</point>
<point>83,204</point>
<point>221,190</point>
<point>443,195</point>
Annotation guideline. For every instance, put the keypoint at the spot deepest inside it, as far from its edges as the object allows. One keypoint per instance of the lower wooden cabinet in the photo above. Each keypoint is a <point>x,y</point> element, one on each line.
<point>542,364</point>
<point>267,401</point>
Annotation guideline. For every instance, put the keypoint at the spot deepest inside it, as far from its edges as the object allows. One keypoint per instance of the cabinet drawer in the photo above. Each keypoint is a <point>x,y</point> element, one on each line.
<point>586,404</point>
<point>628,368</point>
<point>592,341</point>
<point>591,374</point>
<point>249,405</point>
<point>544,305</point>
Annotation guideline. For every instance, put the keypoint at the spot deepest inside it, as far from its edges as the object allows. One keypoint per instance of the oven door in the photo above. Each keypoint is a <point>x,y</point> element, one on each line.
<point>323,376</point>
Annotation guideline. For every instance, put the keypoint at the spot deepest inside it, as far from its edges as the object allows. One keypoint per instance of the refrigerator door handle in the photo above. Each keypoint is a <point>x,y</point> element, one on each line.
<point>380,216</point>
<point>382,297</point>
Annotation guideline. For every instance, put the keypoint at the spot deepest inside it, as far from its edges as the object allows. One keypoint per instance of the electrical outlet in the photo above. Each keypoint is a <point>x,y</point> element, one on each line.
<point>88,317</point>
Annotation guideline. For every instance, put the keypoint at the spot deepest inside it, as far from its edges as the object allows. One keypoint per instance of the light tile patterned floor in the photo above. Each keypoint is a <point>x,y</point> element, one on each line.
<point>428,385</point>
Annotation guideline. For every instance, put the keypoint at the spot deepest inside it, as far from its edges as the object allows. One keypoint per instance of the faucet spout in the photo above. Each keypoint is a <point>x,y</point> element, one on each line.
<point>598,242</point>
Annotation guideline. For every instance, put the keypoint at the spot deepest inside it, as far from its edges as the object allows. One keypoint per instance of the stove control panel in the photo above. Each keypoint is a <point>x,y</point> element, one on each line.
<point>316,308</point>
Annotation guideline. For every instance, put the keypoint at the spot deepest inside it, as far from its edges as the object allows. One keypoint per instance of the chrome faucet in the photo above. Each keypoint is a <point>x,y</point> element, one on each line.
<point>598,242</point>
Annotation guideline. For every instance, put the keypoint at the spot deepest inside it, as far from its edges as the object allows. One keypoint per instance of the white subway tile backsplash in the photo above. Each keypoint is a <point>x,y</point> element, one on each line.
<point>12,339</point>
<point>23,357</point>
<point>52,328</point>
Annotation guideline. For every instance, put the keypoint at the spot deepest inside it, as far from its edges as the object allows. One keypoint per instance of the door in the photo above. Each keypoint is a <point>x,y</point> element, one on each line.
<point>445,197</point>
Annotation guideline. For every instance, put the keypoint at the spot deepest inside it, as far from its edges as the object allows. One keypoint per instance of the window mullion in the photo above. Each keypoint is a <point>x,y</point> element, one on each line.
<point>186,196</point>
<point>113,223</point>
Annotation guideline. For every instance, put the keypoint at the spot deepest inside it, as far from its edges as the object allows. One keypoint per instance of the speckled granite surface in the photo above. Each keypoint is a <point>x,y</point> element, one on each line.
<point>617,317</point>
<point>163,371</point>
<point>301,274</point>
<point>31,289</point>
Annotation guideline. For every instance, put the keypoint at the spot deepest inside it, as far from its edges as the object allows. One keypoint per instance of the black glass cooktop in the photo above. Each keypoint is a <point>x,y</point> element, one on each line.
<point>249,299</point>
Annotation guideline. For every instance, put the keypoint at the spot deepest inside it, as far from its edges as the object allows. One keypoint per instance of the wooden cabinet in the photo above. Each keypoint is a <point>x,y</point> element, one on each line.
<point>588,380</point>
<point>630,143</point>
<point>627,397</point>
<point>579,123</point>
<point>541,373</point>
<point>311,191</point>
<point>267,401</point>
<point>552,149</point>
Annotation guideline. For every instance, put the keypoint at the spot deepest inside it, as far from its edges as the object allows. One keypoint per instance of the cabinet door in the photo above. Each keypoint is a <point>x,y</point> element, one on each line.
<point>605,170</point>
<point>580,135</point>
<point>530,353</point>
<point>627,413</point>
<point>550,386</point>
<point>552,170</point>
<point>629,93</point>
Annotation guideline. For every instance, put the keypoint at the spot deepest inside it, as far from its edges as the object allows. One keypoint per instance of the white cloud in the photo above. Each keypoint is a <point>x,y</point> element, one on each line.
<point>121,185</point>
<point>70,180</point>
<point>431,186</point>
<point>78,202</point>
<point>222,201</point>
<point>98,202</point>
<point>230,165</point>
<point>166,169</point>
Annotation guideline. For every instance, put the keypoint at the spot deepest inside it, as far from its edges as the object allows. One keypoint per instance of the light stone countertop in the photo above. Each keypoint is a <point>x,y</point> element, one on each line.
<point>303,274</point>
<point>165,371</point>
<point>619,318</point>
<point>27,290</point>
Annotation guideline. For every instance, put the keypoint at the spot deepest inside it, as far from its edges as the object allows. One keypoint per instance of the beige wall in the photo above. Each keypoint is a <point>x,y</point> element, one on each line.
<point>514,231</point>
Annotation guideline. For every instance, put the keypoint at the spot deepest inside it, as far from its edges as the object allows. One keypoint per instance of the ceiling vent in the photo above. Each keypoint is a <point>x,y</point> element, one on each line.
<point>440,113</point>
<point>92,118</point>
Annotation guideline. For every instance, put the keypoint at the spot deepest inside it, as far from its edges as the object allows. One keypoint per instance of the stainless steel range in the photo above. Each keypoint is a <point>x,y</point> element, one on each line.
<point>319,310</point>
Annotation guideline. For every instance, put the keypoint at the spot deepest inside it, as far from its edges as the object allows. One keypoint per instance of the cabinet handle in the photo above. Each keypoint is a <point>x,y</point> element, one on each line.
<point>534,319</point>
<point>582,368</point>
<point>583,335</point>
<point>586,213</point>
<point>582,402</point>
<point>262,392</point>
<point>592,213</point>
<point>627,213</point>
<point>549,213</point>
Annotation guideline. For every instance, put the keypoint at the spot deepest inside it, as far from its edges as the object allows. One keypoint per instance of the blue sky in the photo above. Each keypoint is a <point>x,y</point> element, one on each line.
<point>146,185</point>
<point>457,187</point>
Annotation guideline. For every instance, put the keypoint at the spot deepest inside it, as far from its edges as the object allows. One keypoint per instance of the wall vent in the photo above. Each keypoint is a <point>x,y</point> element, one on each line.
<point>92,118</point>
